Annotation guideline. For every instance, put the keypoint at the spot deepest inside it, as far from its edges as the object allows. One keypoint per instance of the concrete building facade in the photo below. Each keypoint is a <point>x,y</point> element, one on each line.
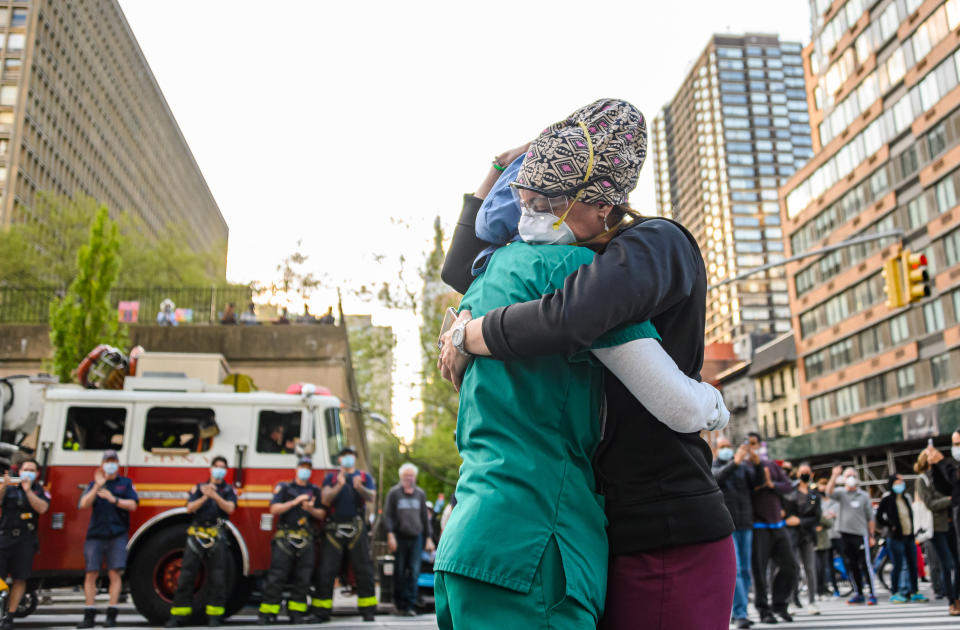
<point>81,112</point>
<point>737,128</point>
<point>883,80</point>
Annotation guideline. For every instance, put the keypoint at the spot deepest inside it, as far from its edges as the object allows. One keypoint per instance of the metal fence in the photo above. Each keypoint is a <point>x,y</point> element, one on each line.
<point>194,305</point>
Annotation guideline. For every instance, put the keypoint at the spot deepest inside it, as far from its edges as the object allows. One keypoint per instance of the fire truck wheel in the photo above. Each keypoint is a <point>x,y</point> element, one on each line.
<point>155,569</point>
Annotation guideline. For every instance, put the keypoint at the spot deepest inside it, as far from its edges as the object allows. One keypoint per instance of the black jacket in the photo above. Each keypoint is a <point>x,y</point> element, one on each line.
<point>808,508</point>
<point>737,483</point>
<point>946,480</point>
<point>888,516</point>
<point>660,491</point>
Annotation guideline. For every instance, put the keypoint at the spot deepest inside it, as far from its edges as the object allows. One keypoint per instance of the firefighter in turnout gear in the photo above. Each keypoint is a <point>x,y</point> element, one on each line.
<point>211,504</point>
<point>347,493</point>
<point>294,506</point>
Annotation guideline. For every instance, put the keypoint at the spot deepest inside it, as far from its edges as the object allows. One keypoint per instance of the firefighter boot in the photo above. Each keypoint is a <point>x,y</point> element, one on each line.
<point>173,622</point>
<point>7,623</point>
<point>214,621</point>
<point>368,612</point>
<point>111,620</point>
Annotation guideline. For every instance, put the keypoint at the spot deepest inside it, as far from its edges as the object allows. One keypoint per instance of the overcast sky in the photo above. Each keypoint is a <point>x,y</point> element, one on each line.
<point>325,121</point>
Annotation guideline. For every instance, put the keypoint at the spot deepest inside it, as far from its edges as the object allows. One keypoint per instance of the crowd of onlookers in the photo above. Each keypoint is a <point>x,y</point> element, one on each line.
<point>804,536</point>
<point>167,316</point>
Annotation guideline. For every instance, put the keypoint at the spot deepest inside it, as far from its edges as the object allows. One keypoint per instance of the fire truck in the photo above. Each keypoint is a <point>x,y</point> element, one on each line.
<point>166,428</point>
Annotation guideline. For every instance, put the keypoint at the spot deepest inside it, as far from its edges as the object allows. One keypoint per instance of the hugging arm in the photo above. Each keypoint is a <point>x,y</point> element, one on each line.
<point>673,398</point>
<point>643,272</point>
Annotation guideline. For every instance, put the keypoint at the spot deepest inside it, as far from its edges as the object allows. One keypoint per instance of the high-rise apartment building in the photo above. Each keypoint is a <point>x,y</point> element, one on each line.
<point>81,112</point>
<point>735,131</point>
<point>884,90</point>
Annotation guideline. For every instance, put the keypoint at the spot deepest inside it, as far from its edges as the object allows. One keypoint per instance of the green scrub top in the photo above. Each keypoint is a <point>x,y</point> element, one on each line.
<point>527,431</point>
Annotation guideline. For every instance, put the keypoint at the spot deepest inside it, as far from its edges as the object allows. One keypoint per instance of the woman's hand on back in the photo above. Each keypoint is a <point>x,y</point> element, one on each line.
<point>451,363</point>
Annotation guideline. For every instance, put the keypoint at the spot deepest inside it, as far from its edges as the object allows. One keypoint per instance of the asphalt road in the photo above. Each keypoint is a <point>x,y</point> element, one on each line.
<point>55,616</point>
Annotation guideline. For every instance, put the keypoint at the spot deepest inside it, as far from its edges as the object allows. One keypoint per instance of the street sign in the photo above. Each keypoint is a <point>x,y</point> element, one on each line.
<point>921,423</point>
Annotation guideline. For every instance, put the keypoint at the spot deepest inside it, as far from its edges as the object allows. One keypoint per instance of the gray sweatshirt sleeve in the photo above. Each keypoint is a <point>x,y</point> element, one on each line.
<point>675,399</point>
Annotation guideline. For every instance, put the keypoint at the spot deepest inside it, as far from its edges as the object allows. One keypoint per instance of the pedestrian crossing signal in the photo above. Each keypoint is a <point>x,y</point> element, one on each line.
<point>892,283</point>
<point>916,280</point>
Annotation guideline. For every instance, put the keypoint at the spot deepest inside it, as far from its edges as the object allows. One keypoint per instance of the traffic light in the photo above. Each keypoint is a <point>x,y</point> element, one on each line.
<point>892,283</point>
<point>916,280</point>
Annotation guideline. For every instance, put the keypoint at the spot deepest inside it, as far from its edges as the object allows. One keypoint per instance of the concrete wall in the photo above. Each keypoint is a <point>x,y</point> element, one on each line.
<point>274,356</point>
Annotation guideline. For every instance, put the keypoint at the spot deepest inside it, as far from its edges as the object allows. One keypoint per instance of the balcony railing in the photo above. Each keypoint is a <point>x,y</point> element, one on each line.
<point>194,305</point>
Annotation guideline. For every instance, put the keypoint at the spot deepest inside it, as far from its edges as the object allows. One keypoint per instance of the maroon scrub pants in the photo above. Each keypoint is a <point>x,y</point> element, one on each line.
<point>681,588</point>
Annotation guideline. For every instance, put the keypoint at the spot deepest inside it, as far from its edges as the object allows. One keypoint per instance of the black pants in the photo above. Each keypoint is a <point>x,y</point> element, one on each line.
<point>855,558</point>
<point>825,571</point>
<point>358,553</point>
<point>406,571</point>
<point>194,557</point>
<point>286,561</point>
<point>773,545</point>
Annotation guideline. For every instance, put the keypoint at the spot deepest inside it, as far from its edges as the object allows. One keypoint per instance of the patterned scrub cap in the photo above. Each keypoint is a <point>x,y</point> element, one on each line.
<point>559,157</point>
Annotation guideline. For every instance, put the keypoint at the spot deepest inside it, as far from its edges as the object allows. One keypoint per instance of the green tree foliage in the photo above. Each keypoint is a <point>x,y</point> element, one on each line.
<point>43,251</point>
<point>84,317</point>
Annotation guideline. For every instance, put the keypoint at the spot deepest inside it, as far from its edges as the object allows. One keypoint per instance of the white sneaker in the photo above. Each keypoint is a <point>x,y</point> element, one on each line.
<point>813,610</point>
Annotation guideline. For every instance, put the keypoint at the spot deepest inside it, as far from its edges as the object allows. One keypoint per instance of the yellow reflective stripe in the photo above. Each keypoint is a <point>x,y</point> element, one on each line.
<point>215,611</point>
<point>181,611</point>
<point>270,608</point>
<point>297,606</point>
<point>363,602</point>
<point>323,603</point>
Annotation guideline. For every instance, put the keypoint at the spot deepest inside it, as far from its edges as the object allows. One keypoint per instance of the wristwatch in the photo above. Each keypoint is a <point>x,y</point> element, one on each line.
<point>458,336</point>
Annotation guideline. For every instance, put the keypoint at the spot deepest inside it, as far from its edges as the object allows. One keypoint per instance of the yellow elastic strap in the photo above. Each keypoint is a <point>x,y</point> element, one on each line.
<point>297,606</point>
<point>215,611</point>
<point>586,177</point>
<point>323,603</point>
<point>364,602</point>
<point>181,611</point>
<point>270,608</point>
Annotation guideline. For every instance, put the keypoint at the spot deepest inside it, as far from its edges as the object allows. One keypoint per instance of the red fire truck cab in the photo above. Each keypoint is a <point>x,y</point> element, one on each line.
<point>167,431</point>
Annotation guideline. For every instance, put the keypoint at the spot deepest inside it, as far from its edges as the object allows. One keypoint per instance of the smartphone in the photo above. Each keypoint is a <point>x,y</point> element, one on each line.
<point>448,318</point>
<point>929,441</point>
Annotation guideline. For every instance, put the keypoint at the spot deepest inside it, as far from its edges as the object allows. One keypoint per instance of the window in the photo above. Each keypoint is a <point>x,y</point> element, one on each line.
<point>937,140</point>
<point>906,381</point>
<point>12,64</point>
<point>15,41</point>
<point>819,409</point>
<point>278,431</point>
<point>814,364</point>
<point>899,330</point>
<point>870,342</point>
<point>951,248</point>
<point>875,390</point>
<point>841,353</point>
<point>19,17</point>
<point>796,416</point>
<point>335,440</point>
<point>173,430</point>
<point>933,316</point>
<point>94,428</point>
<point>940,369</point>
<point>8,95</point>
<point>848,400</point>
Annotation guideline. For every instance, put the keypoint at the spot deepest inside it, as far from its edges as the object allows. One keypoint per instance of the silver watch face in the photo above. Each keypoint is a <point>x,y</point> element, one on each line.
<point>457,337</point>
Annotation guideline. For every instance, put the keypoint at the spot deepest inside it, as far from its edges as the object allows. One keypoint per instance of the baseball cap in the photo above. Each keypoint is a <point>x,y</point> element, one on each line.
<point>110,454</point>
